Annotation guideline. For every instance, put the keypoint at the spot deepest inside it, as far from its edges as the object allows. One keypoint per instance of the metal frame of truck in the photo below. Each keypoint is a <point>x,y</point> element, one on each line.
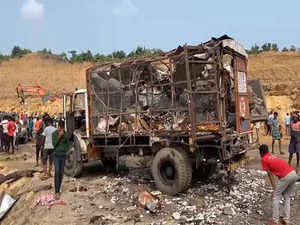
<point>173,108</point>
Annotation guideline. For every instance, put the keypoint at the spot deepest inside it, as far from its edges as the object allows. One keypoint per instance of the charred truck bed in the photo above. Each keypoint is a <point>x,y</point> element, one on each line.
<point>185,110</point>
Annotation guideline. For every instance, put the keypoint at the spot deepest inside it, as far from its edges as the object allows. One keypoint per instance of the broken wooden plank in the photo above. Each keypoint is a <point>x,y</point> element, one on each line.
<point>17,175</point>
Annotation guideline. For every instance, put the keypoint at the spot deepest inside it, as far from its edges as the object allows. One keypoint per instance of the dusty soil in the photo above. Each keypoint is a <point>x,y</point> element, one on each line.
<point>99,197</point>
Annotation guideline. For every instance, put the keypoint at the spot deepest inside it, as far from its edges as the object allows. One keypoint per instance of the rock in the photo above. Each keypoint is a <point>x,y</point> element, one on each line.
<point>176,215</point>
<point>200,216</point>
<point>82,188</point>
<point>156,193</point>
<point>131,208</point>
<point>228,211</point>
<point>73,189</point>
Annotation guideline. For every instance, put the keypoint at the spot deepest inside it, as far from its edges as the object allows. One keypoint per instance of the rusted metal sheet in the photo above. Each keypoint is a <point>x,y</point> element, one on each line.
<point>241,92</point>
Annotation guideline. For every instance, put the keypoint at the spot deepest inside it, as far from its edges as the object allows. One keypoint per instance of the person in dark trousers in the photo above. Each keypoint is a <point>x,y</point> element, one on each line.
<point>60,141</point>
<point>276,132</point>
<point>287,122</point>
<point>11,128</point>
<point>30,128</point>
<point>294,146</point>
<point>1,138</point>
<point>4,124</point>
<point>39,127</point>
<point>48,148</point>
<point>286,181</point>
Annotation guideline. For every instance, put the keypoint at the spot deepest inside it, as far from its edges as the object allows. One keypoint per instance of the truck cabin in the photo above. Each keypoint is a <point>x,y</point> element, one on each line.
<point>75,110</point>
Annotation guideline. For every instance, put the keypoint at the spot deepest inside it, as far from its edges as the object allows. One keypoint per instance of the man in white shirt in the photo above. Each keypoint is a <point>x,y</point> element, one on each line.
<point>4,124</point>
<point>287,121</point>
<point>48,148</point>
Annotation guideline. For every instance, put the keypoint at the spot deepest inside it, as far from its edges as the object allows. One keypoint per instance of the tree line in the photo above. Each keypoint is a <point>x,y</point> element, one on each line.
<point>88,56</point>
<point>84,56</point>
<point>255,49</point>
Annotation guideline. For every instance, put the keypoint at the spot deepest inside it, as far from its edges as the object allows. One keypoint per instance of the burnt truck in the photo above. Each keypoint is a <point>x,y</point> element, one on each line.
<point>179,113</point>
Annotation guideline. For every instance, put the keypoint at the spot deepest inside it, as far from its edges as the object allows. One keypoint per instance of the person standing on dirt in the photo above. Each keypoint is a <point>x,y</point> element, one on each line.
<point>60,141</point>
<point>48,148</point>
<point>1,138</point>
<point>30,128</point>
<point>38,127</point>
<point>294,146</point>
<point>276,132</point>
<point>11,128</point>
<point>4,124</point>
<point>287,121</point>
<point>269,123</point>
<point>286,180</point>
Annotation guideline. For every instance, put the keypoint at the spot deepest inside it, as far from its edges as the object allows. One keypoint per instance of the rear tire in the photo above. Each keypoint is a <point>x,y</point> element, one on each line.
<point>74,165</point>
<point>171,170</point>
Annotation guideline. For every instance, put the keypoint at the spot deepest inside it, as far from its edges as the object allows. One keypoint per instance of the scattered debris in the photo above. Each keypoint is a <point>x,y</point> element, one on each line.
<point>149,201</point>
<point>78,188</point>
<point>202,204</point>
<point>17,175</point>
<point>46,200</point>
<point>176,215</point>
<point>42,187</point>
<point>6,203</point>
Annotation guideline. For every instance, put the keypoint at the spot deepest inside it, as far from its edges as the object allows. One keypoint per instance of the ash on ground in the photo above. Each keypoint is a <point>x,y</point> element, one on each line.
<point>202,203</point>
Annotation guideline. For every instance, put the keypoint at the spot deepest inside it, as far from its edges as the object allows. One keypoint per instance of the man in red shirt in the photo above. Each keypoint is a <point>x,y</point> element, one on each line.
<point>286,181</point>
<point>11,127</point>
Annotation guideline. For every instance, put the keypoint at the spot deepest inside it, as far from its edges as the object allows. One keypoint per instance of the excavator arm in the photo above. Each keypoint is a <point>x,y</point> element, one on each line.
<point>30,89</point>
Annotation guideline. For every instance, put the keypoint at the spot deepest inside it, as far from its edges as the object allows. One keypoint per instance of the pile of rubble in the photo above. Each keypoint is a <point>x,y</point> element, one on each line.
<point>201,204</point>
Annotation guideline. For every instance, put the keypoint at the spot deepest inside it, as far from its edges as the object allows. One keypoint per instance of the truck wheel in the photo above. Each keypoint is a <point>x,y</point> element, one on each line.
<point>171,170</point>
<point>73,165</point>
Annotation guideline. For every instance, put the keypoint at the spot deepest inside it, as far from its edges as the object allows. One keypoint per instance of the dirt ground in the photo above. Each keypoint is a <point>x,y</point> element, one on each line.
<point>104,198</point>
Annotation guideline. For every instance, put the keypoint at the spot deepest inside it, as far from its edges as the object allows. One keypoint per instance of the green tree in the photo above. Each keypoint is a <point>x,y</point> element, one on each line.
<point>73,56</point>
<point>266,47</point>
<point>99,57</point>
<point>254,50</point>
<point>293,48</point>
<point>275,47</point>
<point>16,52</point>
<point>19,52</point>
<point>285,49</point>
<point>119,54</point>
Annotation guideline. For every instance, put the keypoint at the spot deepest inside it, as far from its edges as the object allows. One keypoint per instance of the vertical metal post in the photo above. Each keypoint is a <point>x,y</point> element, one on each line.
<point>121,105</point>
<point>191,99</point>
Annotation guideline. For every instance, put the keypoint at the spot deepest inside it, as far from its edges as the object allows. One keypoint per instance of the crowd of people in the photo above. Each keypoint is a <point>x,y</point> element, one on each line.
<point>14,126</point>
<point>52,142</point>
<point>291,126</point>
<point>275,166</point>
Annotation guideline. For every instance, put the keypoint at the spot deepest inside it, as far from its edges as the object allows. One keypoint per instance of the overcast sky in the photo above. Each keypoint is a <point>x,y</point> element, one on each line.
<point>108,25</point>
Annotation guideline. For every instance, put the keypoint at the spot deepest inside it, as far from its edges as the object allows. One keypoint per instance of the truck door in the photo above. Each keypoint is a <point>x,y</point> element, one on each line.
<point>257,102</point>
<point>68,113</point>
<point>241,95</point>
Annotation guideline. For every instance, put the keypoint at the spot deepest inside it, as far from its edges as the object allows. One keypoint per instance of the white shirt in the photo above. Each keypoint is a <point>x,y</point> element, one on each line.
<point>4,124</point>
<point>271,116</point>
<point>48,134</point>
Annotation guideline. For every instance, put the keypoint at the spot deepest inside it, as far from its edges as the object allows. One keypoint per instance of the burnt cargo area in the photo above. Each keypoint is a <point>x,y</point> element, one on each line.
<point>182,113</point>
<point>188,92</point>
